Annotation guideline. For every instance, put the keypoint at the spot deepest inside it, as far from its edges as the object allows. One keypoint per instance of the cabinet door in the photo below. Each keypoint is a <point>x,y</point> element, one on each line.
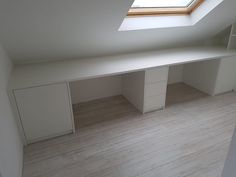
<point>45,111</point>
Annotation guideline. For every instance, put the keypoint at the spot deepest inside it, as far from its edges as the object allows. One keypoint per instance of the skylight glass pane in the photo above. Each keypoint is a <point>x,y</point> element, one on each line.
<point>162,3</point>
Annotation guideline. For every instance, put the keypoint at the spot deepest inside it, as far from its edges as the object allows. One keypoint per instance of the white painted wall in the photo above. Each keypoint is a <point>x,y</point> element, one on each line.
<point>91,89</point>
<point>11,149</point>
<point>202,75</point>
<point>175,74</point>
<point>229,168</point>
<point>29,32</point>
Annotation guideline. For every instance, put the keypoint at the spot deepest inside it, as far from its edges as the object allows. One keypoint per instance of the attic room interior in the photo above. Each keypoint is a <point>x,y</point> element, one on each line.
<point>128,88</point>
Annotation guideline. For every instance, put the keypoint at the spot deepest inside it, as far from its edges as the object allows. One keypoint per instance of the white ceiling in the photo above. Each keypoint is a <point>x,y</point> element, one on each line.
<point>38,30</point>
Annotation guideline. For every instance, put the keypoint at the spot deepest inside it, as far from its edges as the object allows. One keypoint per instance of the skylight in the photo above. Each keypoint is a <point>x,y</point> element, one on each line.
<point>162,3</point>
<point>160,7</point>
<point>169,16</point>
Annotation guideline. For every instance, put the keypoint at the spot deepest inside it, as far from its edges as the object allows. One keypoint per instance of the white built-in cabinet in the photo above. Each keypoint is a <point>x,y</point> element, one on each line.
<point>44,111</point>
<point>155,88</point>
<point>146,90</point>
<point>215,76</point>
<point>40,93</point>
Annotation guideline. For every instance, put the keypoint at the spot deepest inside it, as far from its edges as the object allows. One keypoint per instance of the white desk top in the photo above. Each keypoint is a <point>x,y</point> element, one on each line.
<point>31,75</point>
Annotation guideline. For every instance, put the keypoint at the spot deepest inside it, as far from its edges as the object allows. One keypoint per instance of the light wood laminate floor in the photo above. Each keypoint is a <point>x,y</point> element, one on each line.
<point>188,139</point>
<point>180,92</point>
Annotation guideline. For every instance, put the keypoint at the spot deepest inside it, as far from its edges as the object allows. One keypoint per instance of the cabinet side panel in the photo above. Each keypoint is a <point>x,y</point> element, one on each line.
<point>133,88</point>
<point>226,79</point>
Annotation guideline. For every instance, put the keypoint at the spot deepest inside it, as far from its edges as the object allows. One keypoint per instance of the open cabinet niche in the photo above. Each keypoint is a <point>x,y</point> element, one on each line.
<point>103,98</point>
<point>199,79</point>
<point>215,76</point>
<point>212,77</point>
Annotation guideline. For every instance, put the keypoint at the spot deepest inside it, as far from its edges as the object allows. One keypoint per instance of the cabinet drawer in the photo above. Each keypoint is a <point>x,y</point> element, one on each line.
<point>155,88</point>
<point>156,74</point>
<point>154,102</point>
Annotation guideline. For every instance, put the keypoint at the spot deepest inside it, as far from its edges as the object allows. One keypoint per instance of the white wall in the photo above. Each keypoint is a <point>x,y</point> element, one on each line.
<point>91,89</point>
<point>175,74</point>
<point>230,168</point>
<point>95,33</point>
<point>10,144</point>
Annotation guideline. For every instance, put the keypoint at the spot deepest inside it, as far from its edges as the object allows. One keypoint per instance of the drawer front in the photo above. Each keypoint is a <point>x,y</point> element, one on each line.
<point>155,88</point>
<point>154,102</point>
<point>156,74</point>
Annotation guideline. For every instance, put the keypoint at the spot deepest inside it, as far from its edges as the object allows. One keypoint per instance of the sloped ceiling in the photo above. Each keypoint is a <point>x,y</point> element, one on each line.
<point>41,30</point>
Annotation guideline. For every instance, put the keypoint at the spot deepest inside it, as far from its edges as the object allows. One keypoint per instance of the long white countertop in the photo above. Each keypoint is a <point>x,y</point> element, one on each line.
<point>30,75</point>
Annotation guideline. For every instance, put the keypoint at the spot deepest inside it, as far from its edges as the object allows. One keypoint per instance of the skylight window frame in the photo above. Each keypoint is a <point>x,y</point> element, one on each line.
<point>154,11</point>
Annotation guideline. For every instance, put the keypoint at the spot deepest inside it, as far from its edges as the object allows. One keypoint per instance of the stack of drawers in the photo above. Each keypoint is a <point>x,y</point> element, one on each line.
<point>155,88</point>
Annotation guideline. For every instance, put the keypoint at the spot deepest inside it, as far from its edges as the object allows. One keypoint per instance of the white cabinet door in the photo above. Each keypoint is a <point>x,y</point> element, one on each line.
<point>45,111</point>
